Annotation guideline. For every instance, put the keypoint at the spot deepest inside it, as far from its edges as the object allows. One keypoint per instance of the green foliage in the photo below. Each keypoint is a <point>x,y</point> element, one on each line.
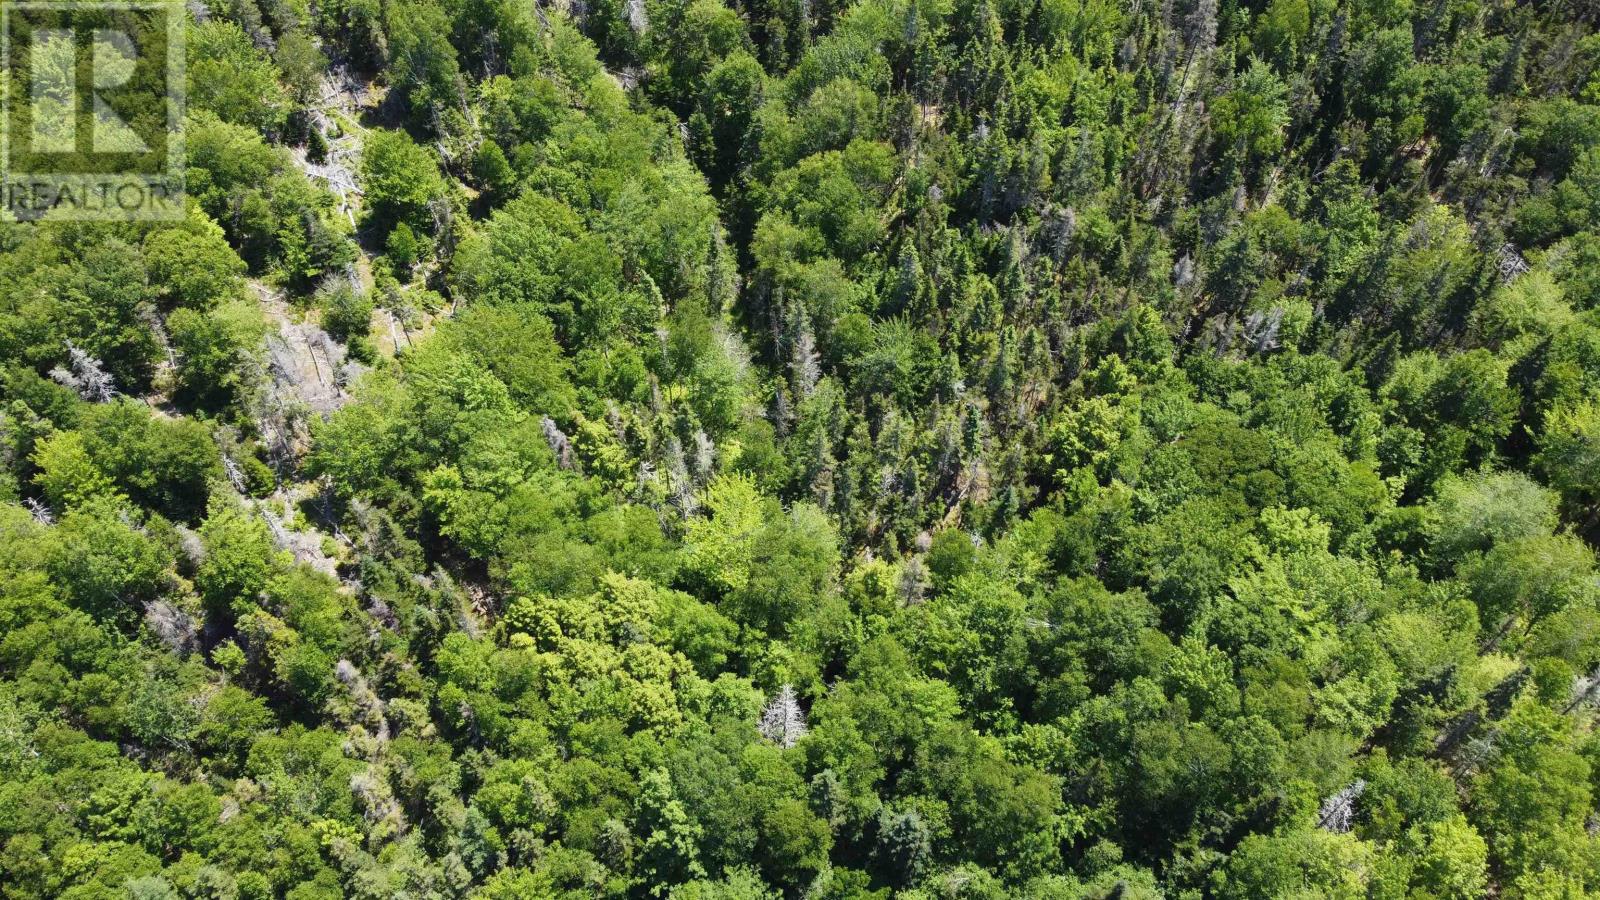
<point>400,180</point>
<point>270,212</point>
<point>105,565</point>
<point>219,354</point>
<point>838,450</point>
<point>238,561</point>
<point>347,316</point>
<point>168,465</point>
<point>232,78</point>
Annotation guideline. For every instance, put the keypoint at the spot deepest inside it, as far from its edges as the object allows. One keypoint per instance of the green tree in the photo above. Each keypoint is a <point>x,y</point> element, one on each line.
<point>231,78</point>
<point>219,354</point>
<point>400,180</point>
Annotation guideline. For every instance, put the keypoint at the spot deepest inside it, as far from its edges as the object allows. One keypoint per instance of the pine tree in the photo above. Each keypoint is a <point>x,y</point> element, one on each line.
<point>783,721</point>
<point>86,375</point>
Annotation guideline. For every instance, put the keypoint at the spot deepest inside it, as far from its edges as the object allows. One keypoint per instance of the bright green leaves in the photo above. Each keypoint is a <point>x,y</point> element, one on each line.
<point>722,544</point>
<point>400,180</point>
<point>1251,119</point>
<point>230,77</point>
<point>769,566</point>
<point>220,354</point>
<point>106,565</point>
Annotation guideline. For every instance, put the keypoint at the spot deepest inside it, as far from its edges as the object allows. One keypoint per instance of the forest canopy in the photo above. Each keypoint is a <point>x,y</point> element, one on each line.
<point>741,450</point>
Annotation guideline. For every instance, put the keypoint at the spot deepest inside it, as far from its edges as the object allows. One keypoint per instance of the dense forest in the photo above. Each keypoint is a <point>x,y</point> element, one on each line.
<point>737,449</point>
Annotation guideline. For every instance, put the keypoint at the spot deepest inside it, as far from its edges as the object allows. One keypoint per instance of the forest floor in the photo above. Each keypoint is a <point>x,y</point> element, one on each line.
<point>308,372</point>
